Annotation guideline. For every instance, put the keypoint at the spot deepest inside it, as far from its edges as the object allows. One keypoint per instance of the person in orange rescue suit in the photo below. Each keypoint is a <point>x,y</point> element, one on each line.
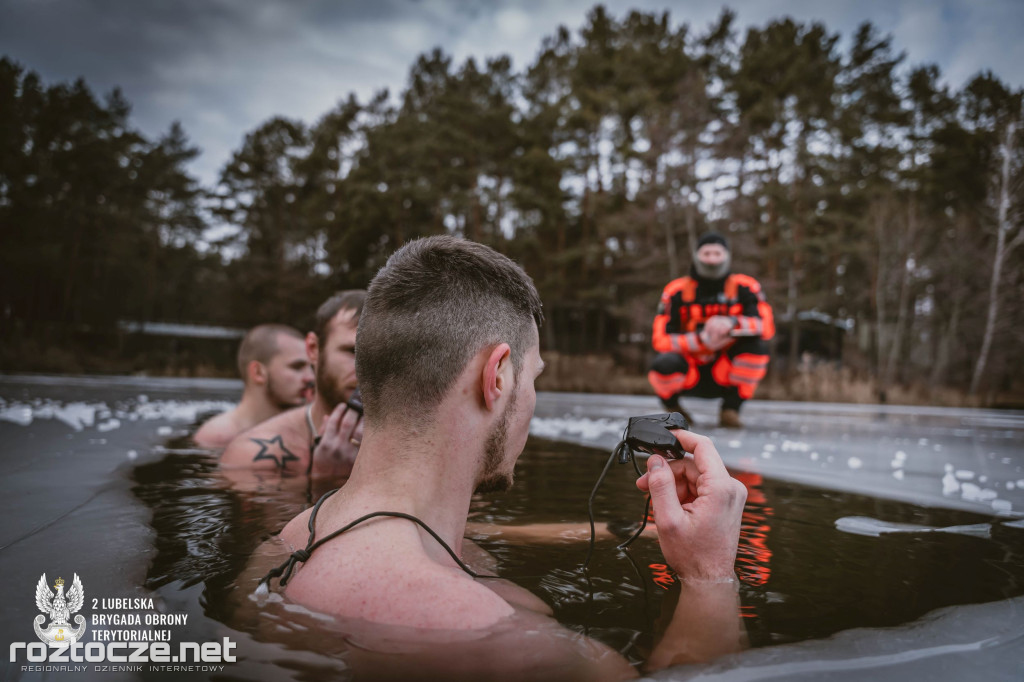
<point>711,332</point>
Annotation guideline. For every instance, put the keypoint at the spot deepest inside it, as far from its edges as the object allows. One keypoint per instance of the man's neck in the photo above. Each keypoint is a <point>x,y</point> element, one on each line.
<point>429,475</point>
<point>318,411</point>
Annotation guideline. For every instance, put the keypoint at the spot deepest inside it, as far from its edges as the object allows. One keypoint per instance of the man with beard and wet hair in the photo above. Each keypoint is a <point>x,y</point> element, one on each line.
<point>276,375</point>
<point>448,355</point>
<point>328,425</point>
<point>711,332</point>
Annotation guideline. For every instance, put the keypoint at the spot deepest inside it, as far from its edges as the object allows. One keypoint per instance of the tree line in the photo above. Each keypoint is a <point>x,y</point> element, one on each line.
<point>851,182</point>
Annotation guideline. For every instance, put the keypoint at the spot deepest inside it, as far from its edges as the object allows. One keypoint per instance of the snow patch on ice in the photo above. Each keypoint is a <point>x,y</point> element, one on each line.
<point>865,525</point>
<point>76,415</point>
<point>949,483</point>
<point>795,446</point>
<point>898,474</point>
<point>19,414</point>
<point>974,493</point>
<point>965,474</point>
<point>180,411</point>
<point>108,425</point>
<point>854,463</point>
<point>583,427</point>
<point>81,415</point>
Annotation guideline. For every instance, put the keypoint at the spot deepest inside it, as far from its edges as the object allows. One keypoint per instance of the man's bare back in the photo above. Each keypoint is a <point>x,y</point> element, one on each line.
<point>386,565</point>
<point>219,431</point>
<point>381,581</point>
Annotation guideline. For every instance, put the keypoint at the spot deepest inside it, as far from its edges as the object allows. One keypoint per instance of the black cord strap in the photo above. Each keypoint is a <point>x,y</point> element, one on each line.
<point>284,571</point>
<point>623,446</point>
<point>314,439</point>
<point>593,494</point>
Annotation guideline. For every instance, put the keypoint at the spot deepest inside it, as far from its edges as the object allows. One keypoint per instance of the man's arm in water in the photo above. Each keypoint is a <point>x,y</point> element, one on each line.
<point>698,507</point>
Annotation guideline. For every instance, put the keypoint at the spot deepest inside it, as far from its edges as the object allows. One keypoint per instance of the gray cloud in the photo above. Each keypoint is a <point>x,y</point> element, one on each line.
<point>221,67</point>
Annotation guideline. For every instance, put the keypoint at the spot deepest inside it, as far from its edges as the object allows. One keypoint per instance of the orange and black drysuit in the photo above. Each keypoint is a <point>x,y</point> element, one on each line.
<point>685,365</point>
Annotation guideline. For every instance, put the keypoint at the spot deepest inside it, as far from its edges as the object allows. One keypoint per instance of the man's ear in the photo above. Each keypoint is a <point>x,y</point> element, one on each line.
<point>497,374</point>
<point>312,348</point>
<point>257,373</point>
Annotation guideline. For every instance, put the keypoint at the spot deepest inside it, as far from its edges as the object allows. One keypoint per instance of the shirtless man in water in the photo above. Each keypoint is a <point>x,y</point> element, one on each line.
<point>448,355</point>
<point>285,444</point>
<point>276,375</point>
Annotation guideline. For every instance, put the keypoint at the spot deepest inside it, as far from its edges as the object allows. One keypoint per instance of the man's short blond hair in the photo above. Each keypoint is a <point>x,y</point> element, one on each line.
<point>261,344</point>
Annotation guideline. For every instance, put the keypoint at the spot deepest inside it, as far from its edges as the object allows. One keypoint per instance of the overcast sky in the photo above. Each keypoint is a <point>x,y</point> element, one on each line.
<point>222,67</point>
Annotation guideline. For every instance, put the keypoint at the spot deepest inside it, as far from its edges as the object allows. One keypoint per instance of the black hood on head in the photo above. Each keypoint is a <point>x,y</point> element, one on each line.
<point>713,238</point>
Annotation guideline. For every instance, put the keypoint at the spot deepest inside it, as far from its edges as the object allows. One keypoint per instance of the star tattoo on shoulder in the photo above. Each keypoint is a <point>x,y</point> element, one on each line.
<point>274,449</point>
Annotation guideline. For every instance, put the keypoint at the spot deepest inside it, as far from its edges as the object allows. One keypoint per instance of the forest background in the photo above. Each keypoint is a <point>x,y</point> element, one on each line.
<point>882,211</point>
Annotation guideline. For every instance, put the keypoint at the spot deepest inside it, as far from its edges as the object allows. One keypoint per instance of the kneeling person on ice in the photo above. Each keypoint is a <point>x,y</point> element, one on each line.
<point>711,332</point>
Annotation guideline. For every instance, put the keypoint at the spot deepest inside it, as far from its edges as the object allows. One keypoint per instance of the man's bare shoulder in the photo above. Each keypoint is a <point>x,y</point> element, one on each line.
<point>217,431</point>
<point>281,442</point>
<point>417,594</point>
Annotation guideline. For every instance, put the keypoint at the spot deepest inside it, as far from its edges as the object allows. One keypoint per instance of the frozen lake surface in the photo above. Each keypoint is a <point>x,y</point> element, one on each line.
<point>944,457</point>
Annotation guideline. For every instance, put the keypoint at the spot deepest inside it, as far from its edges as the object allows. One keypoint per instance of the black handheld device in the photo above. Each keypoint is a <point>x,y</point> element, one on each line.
<point>355,401</point>
<point>650,433</point>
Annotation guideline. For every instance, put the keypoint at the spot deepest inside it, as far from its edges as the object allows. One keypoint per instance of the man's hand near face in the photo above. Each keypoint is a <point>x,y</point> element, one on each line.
<point>339,443</point>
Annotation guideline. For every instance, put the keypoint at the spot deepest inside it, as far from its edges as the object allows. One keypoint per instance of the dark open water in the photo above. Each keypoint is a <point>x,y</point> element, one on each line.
<point>802,578</point>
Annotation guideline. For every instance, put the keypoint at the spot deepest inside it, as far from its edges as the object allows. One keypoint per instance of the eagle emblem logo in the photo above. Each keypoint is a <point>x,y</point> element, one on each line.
<point>59,607</point>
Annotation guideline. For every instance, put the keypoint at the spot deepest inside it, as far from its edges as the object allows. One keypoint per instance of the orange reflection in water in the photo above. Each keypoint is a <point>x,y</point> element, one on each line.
<point>753,557</point>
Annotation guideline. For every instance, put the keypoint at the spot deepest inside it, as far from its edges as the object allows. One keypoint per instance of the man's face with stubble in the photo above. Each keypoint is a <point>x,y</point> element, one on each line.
<point>335,359</point>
